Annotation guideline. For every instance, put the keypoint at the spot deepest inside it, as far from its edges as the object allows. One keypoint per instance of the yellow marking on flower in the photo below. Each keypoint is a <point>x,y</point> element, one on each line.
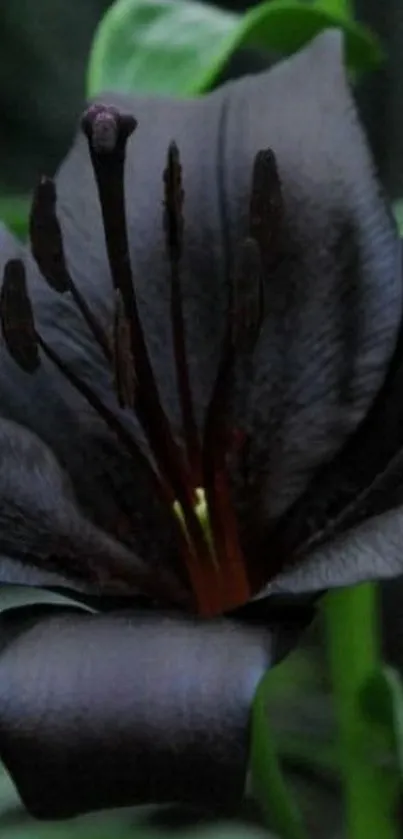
<point>202,512</point>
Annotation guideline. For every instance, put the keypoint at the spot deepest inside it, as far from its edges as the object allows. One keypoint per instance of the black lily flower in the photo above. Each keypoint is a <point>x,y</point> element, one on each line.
<point>199,388</point>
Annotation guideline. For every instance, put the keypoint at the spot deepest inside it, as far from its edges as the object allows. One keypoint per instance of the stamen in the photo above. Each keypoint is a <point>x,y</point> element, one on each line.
<point>248,297</point>
<point>46,238</point>
<point>173,225</point>
<point>201,564</point>
<point>266,207</point>
<point>246,309</point>
<point>125,374</point>
<point>107,132</point>
<point>173,205</point>
<point>202,513</point>
<point>17,320</point>
<point>216,483</point>
<point>245,313</point>
<point>48,251</point>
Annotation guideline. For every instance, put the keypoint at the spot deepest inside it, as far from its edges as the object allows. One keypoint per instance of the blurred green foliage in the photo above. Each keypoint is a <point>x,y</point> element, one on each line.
<point>176,47</point>
<point>14,212</point>
<point>44,47</point>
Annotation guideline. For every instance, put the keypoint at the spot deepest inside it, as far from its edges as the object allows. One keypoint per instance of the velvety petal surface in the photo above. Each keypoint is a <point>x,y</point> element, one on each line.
<point>107,711</point>
<point>333,289</point>
<point>69,483</point>
<point>370,551</point>
<point>339,245</point>
<point>333,294</point>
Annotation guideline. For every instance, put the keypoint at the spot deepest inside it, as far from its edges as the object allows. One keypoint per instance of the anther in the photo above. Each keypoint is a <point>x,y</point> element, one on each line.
<point>17,320</point>
<point>247,306</point>
<point>266,207</point>
<point>48,251</point>
<point>173,226</point>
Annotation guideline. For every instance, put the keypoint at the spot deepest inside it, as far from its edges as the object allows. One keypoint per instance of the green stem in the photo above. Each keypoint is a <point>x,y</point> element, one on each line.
<point>269,788</point>
<point>354,656</point>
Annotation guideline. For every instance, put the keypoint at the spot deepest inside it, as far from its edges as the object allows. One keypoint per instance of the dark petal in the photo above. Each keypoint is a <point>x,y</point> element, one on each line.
<point>44,531</point>
<point>115,496</point>
<point>107,711</point>
<point>334,301</point>
<point>46,537</point>
<point>12,390</point>
<point>370,551</point>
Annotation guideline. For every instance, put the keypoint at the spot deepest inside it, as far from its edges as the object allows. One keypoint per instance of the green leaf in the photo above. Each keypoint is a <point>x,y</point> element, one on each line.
<point>382,703</point>
<point>369,787</point>
<point>14,213</point>
<point>343,7</point>
<point>268,784</point>
<point>178,47</point>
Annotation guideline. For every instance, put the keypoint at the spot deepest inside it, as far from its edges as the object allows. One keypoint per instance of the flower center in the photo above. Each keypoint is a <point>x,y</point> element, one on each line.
<point>202,514</point>
<point>191,479</point>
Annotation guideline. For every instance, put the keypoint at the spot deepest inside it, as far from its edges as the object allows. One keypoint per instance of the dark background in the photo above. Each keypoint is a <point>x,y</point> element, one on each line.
<point>44,47</point>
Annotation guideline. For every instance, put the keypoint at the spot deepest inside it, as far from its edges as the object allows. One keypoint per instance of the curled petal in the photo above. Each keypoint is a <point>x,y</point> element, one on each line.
<point>107,711</point>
